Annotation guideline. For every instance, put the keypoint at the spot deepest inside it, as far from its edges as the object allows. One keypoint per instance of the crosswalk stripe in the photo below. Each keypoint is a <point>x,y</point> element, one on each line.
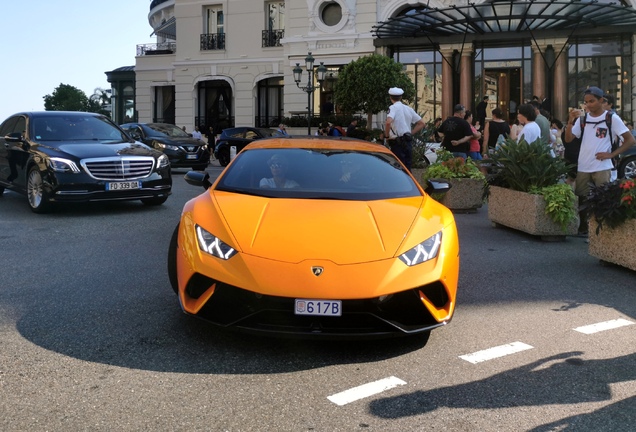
<point>602,326</point>
<point>495,352</point>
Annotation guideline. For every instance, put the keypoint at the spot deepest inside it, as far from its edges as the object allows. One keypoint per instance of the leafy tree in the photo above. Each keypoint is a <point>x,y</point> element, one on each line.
<point>100,101</point>
<point>67,98</point>
<point>363,85</point>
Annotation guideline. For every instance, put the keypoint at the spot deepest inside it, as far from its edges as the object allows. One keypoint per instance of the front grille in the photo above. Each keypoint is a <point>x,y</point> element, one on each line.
<point>402,313</point>
<point>119,168</point>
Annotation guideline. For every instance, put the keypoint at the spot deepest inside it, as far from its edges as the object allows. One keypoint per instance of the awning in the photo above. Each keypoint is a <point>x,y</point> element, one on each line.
<point>167,29</point>
<point>511,16</point>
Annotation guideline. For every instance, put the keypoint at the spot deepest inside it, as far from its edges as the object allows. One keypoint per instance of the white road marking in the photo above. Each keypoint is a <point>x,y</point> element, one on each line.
<point>602,326</point>
<point>365,390</point>
<point>495,352</point>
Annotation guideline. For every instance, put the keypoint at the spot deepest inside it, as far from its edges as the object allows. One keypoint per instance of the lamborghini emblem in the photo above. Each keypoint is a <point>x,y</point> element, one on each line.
<point>317,271</point>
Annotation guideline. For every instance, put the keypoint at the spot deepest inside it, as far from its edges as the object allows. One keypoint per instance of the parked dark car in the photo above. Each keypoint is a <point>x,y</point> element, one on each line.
<point>182,150</point>
<point>627,163</point>
<point>56,156</point>
<point>239,137</point>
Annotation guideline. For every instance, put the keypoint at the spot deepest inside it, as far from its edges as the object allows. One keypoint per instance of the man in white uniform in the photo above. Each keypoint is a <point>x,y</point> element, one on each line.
<point>398,124</point>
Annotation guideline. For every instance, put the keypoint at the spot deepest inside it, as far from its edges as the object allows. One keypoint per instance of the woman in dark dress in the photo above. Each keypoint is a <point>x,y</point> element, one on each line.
<point>495,127</point>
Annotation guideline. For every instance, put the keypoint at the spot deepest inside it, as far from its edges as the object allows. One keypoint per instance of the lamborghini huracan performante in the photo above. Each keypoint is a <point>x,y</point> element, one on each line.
<point>316,237</point>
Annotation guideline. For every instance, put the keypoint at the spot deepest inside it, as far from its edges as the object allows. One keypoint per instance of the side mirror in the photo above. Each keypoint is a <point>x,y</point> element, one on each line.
<point>135,135</point>
<point>198,178</point>
<point>14,137</point>
<point>437,186</point>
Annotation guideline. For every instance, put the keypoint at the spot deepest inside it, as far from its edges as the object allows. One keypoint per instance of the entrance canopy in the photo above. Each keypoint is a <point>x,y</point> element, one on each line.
<point>507,16</point>
<point>168,29</point>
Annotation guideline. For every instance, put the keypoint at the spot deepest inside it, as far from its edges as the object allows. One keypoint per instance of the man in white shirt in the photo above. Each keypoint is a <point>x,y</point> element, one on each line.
<point>197,133</point>
<point>398,124</point>
<point>595,157</point>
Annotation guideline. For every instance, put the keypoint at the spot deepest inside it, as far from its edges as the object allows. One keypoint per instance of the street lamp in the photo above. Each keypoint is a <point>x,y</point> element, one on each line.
<point>310,87</point>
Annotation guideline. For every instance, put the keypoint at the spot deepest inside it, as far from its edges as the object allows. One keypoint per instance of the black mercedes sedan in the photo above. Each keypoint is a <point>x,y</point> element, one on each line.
<point>182,150</point>
<point>57,157</point>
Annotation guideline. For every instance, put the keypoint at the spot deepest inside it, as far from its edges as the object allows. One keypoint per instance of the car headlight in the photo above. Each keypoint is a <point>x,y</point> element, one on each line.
<point>163,161</point>
<point>427,250</point>
<point>63,165</point>
<point>166,146</point>
<point>213,245</point>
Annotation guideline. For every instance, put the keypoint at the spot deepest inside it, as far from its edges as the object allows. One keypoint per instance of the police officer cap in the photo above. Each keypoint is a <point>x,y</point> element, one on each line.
<point>396,91</point>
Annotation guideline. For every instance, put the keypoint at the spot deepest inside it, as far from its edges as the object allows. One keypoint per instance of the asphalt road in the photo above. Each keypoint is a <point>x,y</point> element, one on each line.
<point>92,338</point>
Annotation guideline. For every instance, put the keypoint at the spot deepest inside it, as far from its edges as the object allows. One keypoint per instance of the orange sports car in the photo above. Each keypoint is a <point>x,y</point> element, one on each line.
<point>316,237</point>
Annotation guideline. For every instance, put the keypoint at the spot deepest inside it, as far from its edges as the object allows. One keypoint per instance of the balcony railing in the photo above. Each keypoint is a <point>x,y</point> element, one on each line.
<point>212,41</point>
<point>156,48</point>
<point>271,38</point>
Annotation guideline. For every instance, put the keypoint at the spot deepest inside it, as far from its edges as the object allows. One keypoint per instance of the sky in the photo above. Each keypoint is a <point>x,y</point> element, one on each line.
<point>51,42</point>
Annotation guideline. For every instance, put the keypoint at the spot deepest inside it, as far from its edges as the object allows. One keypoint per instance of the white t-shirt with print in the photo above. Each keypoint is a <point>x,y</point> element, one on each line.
<point>596,139</point>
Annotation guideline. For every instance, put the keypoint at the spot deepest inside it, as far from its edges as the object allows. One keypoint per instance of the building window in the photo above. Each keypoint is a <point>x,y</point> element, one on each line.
<point>331,13</point>
<point>270,102</point>
<point>274,25</point>
<point>605,64</point>
<point>164,108</point>
<point>425,70</point>
<point>213,37</point>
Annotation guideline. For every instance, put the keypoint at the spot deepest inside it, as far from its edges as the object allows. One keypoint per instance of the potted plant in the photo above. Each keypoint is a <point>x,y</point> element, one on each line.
<point>527,192</point>
<point>466,180</point>
<point>612,210</point>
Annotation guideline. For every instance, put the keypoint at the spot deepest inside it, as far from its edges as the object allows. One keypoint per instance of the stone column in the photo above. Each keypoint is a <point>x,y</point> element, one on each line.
<point>447,82</point>
<point>538,72</point>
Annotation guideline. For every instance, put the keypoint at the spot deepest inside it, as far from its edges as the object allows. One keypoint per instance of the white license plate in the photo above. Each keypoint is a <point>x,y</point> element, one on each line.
<point>318,307</point>
<point>123,185</point>
<point>191,156</point>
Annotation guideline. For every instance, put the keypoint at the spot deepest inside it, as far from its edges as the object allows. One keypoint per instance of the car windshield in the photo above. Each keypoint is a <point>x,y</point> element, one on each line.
<point>168,130</point>
<point>319,174</point>
<point>73,127</point>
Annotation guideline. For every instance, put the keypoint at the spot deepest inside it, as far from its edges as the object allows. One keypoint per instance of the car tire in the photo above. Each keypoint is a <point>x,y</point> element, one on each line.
<point>155,201</point>
<point>172,260</point>
<point>224,157</point>
<point>36,195</point>
<point>627,169</point>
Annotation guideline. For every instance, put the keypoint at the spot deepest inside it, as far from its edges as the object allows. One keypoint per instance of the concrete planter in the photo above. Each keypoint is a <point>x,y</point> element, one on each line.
<point>525,212</point>
<point>465,195</point>
<point>614,245</point>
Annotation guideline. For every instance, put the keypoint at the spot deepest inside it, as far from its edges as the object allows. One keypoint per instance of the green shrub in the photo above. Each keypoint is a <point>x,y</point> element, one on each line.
<point>522,166</point>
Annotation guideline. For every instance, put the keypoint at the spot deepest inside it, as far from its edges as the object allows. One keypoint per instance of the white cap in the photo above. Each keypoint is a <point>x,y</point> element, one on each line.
<point>396,91</point>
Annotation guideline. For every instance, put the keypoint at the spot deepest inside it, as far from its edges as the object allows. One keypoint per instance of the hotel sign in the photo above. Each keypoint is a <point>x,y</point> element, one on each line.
<point>502,64</point>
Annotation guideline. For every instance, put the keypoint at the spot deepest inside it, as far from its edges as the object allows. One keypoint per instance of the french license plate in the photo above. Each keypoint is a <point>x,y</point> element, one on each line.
<point>123,185</point>
<point>191,156</point>
<point>318,307</point>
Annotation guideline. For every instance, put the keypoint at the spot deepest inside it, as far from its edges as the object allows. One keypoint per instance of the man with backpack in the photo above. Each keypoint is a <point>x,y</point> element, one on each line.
<point>597,129</point>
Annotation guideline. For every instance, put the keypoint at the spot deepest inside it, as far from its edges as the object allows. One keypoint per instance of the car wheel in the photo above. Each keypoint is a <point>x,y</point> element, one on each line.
<point>155,201</point>
<point>627,169</point>
<point>224,157</point>
<point>36,195</point>
<point>172,260</point>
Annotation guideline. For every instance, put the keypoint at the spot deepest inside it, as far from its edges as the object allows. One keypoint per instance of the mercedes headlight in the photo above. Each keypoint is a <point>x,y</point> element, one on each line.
<point>163,161</point>
<point>427,250</point>
<point>63,165</point>
<point>213,245</point>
